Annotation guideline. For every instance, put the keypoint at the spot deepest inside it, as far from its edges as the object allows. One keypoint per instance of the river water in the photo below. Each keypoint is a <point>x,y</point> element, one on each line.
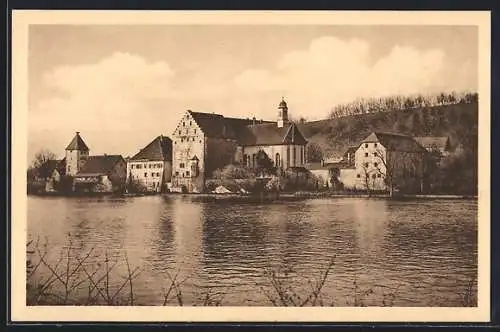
<point>399,253</point>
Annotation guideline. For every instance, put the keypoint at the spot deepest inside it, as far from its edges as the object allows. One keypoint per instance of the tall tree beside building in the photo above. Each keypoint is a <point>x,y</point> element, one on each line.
<point>41,165</point>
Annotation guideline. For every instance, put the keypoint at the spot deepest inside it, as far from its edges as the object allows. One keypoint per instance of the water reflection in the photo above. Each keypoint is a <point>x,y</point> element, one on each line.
<point>428,248</point>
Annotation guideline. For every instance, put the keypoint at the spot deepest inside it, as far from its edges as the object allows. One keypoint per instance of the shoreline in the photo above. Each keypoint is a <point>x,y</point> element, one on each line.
<point>273,198</point>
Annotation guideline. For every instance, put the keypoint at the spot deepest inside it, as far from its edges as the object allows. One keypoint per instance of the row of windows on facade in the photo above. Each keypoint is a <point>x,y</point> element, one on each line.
<point>187,140</point>
<point>368,164</point>
<point>374,144</point>
<point>375,154</point>
<point>139,166</point>
<point>184,174</point>
<point>152,175</point>
<point>277,158</point>
<point>373,176</point>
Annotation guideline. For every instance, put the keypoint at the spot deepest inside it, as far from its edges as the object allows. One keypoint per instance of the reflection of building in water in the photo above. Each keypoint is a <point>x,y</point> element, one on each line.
<point>188,218</point>
<point>370,224</point>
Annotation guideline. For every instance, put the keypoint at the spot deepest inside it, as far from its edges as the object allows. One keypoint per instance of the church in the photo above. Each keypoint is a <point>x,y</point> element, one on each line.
<point>205,142</point>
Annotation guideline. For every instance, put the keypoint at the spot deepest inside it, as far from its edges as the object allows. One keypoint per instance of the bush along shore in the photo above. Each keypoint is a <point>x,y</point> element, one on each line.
<point>93,278</point>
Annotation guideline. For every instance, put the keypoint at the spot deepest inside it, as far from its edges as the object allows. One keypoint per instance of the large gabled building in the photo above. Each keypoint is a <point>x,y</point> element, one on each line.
<point>384,161</point>
<point>151,168</point>
<point>205,142</point>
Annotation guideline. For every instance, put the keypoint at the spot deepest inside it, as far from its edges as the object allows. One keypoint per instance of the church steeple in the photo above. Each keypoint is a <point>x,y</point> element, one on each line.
<point>282,113</point>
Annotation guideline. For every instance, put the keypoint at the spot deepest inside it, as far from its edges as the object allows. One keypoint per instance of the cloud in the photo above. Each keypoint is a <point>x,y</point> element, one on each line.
<point>332,70</point>
<point>121,94</point>
<point>124,100</point>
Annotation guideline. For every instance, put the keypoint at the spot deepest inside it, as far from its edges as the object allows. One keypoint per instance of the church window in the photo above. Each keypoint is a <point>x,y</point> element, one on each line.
<point>288,156</point>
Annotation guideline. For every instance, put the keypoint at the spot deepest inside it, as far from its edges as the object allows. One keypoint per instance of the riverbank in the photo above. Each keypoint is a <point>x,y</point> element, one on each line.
<point>269,197</point>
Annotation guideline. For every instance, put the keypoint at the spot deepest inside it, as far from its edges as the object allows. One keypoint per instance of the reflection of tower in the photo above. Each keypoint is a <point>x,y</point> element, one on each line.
<point>282,113</point>
<point>77,154</point>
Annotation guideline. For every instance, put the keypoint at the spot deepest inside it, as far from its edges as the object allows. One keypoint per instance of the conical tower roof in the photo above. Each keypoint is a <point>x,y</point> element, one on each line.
<point>77,143</point>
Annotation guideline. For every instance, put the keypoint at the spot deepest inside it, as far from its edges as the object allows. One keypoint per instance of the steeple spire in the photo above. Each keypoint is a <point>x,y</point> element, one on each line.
<point>282,113</point>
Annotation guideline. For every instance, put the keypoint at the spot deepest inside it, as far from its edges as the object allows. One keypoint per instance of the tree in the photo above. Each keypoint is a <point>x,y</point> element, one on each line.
<point>41,164</point>
<point>398,168</point>
<point>314,152</point>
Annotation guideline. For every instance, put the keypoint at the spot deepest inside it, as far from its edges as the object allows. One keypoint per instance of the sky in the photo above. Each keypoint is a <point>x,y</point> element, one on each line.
<point>121,86</point>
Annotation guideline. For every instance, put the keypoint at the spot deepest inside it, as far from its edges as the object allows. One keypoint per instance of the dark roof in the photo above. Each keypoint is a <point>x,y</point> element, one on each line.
<point>434,142</point>
<point>247,131</point>
<point>218,126</point>
<point>394,142</point>
<point>159,149</point>
<point>271,134</point>
<point>77,143</point>
<point>99,164</point>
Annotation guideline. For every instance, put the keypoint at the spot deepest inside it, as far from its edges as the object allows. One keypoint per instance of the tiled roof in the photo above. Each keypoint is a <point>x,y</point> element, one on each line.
<point>395,142</point>
<point>247,131</point>
<point>433,142</point>
<point>99,165</point>
<point>159,149</point>
<point>270,134</point>
<point>77,143</point>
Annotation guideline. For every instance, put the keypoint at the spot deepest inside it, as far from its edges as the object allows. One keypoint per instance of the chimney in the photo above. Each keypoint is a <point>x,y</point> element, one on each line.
<point>78,133</point>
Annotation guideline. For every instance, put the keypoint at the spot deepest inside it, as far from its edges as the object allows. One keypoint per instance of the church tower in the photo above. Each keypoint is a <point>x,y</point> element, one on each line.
<point>77,154</point>
<point>282,113</point>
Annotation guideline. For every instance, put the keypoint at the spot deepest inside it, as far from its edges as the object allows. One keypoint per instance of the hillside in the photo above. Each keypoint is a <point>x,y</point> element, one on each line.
<point>458,121</point>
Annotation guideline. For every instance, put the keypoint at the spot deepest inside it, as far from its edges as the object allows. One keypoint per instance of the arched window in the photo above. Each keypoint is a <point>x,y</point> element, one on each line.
<point>277,161</point>
<point>288,156</point>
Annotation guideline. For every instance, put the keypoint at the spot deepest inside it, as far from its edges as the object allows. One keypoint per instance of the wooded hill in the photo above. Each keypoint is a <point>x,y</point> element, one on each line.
<point>457,121</point>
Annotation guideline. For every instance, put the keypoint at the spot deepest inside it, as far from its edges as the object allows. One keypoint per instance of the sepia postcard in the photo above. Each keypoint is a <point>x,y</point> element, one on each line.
<point>319,166</point>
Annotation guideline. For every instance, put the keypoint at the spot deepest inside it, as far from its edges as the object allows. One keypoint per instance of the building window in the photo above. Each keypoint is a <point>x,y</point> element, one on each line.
<point>145,175</point>
<point>132,166</point>
<point>152,175</point>
<point>187,173</point>
<point>366,164</point>
<point>294,156</point>
<point>183,124</point>
<point>181,165</point>
<point>190,123</point>
<point>193,139</point>
<point>374,154</point>
<point>375,144</point>
<point>378,175</point>
<point>277,161</point>
<point>366,154</point>
<point>195,131</point>
<point>177,173</point>
<point>366,145</point>
<point>358,176</point>
<point>374,176</point>
<point>375,164</point>
<point>158,174</point>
